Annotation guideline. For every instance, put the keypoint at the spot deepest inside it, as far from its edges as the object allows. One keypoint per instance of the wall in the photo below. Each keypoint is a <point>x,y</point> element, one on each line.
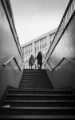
<point>7,43</point>
<point>8,48</point>
<point>64,77</point>
<point>9,76</point>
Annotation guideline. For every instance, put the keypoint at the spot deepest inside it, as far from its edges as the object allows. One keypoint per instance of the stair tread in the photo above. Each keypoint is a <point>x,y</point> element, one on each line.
<point>68,101</point>
<point>41,89</point>
<point>41,95</point>
<point>41,108</point>
<point>39,117</point>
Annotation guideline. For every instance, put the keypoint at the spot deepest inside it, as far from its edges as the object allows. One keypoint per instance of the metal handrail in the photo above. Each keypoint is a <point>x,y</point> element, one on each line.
<point>70,60</point>
<point>61,61</point>
<point>9,60</point>
<point>58,64</point>
<point>17,63</point>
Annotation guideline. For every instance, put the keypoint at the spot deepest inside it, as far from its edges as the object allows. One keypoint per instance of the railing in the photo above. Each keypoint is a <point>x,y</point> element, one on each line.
<point>61,61</point>
<point>9,61</point>
<point>69,13</point>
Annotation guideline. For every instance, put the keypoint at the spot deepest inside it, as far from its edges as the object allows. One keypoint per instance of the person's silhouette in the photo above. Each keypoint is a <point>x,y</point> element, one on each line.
<point>31,61</point>
<point>39,60</point>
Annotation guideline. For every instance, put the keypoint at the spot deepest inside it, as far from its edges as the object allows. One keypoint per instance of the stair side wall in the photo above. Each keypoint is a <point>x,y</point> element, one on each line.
<point>64,76</point>
<point>8,48</point>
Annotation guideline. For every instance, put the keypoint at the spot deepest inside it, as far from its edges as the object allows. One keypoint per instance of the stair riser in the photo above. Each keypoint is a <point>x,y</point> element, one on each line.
<point>40,91</point>
<point>37,112</point>
<point>40,98</point>
<point>39,104</point>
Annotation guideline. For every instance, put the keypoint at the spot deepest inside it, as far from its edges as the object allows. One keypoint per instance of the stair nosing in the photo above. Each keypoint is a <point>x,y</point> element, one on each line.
<point>41,108</point>
<point>40,95</point>
<point>40,101</point>
<point>39,116</point>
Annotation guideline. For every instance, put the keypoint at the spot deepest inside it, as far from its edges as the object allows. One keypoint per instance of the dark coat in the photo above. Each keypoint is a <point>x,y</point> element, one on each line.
<point>31,60</point>
<point>39,58</point>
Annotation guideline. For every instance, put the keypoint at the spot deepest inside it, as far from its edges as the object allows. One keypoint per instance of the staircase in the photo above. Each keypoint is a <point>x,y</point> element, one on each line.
<point>35,79</point>
<point>39,103</point>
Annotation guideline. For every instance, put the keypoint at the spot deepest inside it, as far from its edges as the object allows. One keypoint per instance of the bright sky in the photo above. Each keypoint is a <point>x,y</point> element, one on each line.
<point>36,17</point>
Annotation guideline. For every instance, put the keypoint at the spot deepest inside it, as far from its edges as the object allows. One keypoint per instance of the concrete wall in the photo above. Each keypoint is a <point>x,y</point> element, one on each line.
<point>64,77</point>
<point>7,43</point>
<point>9,75</point>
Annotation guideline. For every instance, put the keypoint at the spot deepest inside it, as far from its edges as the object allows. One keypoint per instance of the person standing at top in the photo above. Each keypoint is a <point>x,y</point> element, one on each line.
<point>31,61</point>
<point>39,60</point>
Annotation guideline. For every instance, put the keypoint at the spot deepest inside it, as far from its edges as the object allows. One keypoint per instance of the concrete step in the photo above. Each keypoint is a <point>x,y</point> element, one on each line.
<point>38,117</point>
<point>40,103</point>
<point>37,110</point>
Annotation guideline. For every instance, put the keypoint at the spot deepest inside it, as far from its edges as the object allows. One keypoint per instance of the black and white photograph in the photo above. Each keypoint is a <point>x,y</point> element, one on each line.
<point>37,59</point>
